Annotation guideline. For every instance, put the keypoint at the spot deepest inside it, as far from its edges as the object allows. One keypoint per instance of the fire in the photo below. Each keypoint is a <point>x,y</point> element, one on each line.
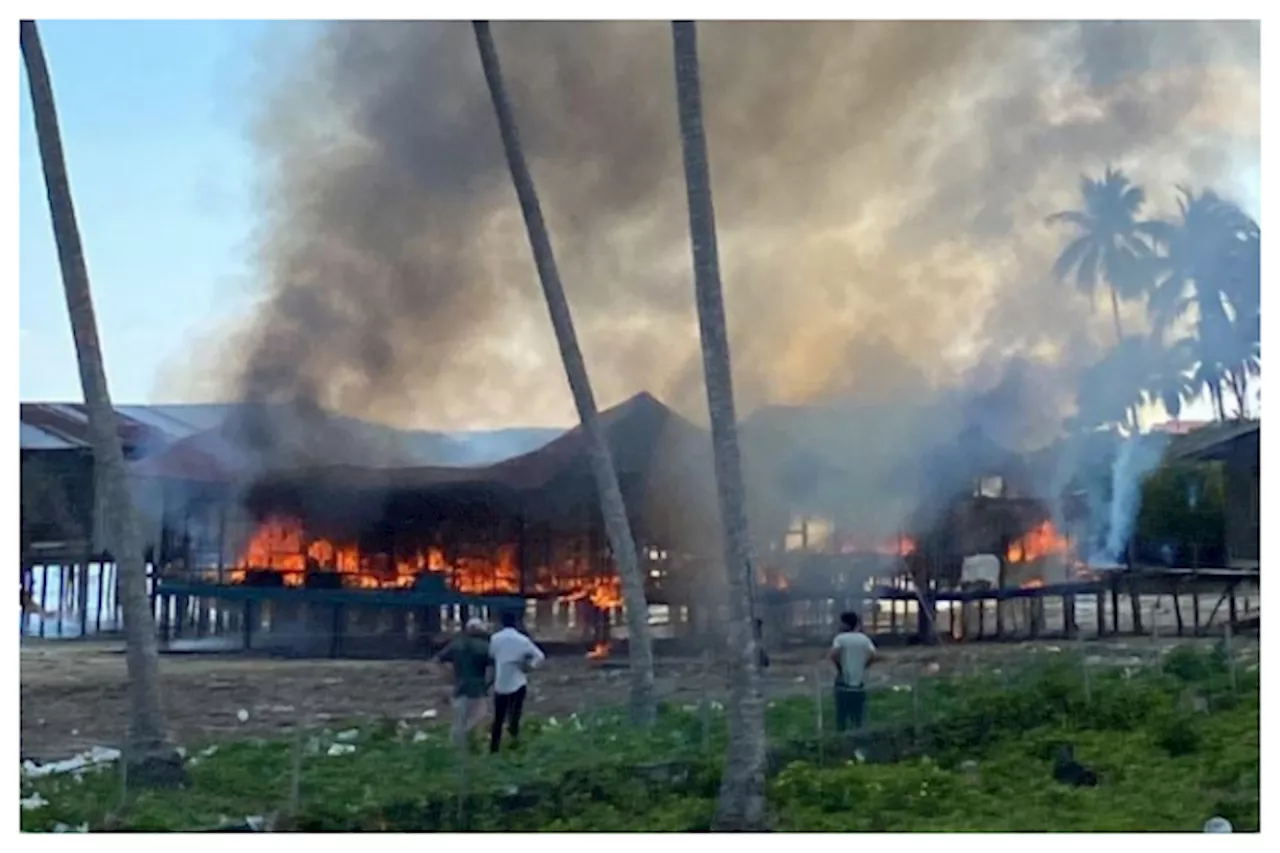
<point>599,651</point>
<point>898,546</point>
<point>280,544</point>
<point>1037,543</point>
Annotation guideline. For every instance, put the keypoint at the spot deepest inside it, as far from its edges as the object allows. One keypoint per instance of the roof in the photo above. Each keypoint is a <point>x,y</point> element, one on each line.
<point>148,430</point>
<point>1213,442</point>
<point>633,429</point>
<point>65,426</point>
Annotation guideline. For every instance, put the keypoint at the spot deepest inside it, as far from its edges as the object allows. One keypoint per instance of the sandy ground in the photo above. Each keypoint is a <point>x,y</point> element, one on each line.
<point>73,693</point>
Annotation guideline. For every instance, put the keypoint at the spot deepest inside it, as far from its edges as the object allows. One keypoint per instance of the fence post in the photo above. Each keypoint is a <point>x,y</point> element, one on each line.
<point>817,699</point>
<point>915,709</point>
<point>1231,656</point>
<point>1084,671</point>
<point>294,806</point>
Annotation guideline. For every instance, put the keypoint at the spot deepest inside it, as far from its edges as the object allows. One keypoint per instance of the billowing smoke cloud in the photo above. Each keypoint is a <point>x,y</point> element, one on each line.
<point>881,190</point>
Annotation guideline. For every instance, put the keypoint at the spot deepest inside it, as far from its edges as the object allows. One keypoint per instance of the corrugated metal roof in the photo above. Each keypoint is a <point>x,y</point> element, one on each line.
<point>32,437</point>
<point>61,426</point>
<point>214,455</point>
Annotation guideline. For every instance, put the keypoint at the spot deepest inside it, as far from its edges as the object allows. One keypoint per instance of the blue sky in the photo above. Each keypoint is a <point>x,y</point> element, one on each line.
<point>155,131</point>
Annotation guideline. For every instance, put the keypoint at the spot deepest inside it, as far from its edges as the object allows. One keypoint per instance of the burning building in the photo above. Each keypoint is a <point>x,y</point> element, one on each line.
<point>524,529</point>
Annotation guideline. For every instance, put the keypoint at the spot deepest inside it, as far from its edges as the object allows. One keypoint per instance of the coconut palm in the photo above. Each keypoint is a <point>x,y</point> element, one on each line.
<point>1113,245</point>
<point>742,788</point>
<point>149,753</point>
<point>1170,371</point>
<point>1212,262</point>
<point>617,527</point>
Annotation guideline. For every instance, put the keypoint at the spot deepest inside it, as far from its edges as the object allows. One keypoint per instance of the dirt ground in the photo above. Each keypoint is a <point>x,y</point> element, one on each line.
<point>73,693</point>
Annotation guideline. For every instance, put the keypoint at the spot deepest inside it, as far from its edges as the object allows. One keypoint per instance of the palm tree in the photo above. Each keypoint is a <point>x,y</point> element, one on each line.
<point>617,527</point>
<point>1113,244</point>
<point>741,805</point>
<point>149,754</point>
<point>1212,261</point>
<point>1171,374</point>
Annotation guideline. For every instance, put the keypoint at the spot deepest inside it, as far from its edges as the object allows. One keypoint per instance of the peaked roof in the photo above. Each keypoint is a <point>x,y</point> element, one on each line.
<point>633,429</point>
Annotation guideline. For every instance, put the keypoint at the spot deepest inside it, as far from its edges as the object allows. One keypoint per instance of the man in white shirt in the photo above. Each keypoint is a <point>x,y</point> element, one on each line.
<point>851,652</point>
<point>513,655</point>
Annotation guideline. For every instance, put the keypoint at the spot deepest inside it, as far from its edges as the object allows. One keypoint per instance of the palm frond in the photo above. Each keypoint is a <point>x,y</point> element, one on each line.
<point>1071,256</point>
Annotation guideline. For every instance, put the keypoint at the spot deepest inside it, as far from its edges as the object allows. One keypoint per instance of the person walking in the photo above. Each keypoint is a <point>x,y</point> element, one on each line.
<point>851,653</point>
<point>514,654</point>
<point>469,656</point>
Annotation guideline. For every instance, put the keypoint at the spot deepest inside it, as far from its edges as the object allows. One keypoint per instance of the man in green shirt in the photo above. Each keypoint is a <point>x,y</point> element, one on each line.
<point>469,656</point>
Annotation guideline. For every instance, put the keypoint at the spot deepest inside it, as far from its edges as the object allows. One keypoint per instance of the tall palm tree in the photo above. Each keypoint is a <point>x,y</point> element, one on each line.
<point>741,805</point>
<point>616,525</point>
<point>1212,262</point>
<point>1112,246</point>
<point>149,753</point>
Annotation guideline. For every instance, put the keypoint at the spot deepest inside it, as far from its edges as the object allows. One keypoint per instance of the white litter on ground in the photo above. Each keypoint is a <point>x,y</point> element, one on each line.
<point>419,737</point>
<point>62,827</point>
<point>33,802</point>
<point>348,735</point>
<point>242,715</point>
<point>341,749</point>
<point>94,757</point>
<point>430,714</point>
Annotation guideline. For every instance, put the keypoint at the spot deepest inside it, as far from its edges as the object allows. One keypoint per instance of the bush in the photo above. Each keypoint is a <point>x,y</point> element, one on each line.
<point>1160,767</point>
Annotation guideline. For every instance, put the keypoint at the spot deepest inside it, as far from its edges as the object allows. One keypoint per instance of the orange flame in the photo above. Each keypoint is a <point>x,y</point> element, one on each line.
<point>599,651</point>
<point>1037,543</point>
<point>898,546</point>
<point>279,544</point>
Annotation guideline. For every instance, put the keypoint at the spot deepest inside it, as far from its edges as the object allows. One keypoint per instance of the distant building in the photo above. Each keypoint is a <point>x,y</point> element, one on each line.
<point>1235,444</point>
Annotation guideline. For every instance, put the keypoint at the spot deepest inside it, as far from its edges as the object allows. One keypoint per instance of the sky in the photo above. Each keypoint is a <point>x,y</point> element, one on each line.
<point>155,119</point>
<point>154,127</point>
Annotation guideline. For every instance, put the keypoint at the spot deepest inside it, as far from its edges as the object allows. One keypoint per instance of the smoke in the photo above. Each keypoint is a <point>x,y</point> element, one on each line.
<point>1138,456</point>
<point>880,189</point>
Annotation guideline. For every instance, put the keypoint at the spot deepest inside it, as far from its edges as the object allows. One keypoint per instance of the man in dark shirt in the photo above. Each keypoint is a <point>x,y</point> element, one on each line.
<point>469,656</point>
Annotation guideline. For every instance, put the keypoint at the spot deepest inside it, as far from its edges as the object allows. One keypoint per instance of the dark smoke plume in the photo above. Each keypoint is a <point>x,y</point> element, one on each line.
<point>881,189</point>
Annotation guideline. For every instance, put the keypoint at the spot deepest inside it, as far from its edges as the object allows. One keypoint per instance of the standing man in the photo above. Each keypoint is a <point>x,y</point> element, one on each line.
<point>513,655</point>
<point>469,656</point>
<point>851,653</point>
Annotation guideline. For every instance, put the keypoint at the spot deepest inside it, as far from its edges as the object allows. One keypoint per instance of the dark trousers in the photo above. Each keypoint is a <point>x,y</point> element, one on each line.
<point>851,707</point>
<point>507,707</point>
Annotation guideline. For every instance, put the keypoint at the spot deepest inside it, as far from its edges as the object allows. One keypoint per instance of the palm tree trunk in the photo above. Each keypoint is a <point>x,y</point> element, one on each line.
<point>617,527</point>
<point>148,749</point>
<point>1240,390</point>
<point>741,805</point>
<point>1115,316</point>
<point>1219,399</point>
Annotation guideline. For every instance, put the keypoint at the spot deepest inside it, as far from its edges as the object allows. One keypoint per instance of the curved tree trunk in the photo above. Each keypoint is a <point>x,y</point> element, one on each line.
<point>616,525</point>
<point>148,749</point>
<point>742,789</point>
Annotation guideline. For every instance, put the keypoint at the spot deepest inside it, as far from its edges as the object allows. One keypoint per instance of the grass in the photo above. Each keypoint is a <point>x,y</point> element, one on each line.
<point>1165,762</point>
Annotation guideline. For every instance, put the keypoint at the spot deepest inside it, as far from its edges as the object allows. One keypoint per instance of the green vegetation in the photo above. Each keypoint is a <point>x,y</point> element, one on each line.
<point>1172,746</point>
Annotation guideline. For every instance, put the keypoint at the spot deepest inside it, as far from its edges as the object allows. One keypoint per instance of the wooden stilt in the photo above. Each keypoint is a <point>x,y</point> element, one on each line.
<point>1177,605</point>
<point>98,602</point>
<point>44,595</point>
<point>64,602</point>
<point>83,573</point>
<point>1195,607</point>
